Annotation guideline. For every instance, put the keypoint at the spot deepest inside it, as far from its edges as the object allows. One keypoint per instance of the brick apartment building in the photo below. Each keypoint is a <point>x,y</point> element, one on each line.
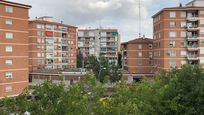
<point>137,58</point>
<point>13,48</point>
<point>52,45</point>
<point>99,41</point>
<point>178,36</point>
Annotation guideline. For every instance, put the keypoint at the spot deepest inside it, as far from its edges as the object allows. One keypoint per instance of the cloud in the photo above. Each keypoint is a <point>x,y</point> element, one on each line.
<point>118,14</point>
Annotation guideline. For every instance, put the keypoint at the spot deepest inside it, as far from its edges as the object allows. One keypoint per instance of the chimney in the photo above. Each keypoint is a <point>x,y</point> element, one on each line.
<point>36,18</point>
<point>61,21</point>
<point>180,5</point>
<point>143,36</point>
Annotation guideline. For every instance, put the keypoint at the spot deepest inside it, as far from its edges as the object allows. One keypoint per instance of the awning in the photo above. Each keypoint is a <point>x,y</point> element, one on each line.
<point>192,49</point>
<point>49,33</point>
<point>192,20</point>
<point>114,48</point>
<point>71,29</point>
<point>114,32</point>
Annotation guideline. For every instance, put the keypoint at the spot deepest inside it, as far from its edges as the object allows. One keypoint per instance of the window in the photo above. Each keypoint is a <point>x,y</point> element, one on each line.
<point>140,70</point>
<point>9,9</point>
<point>38,33</point>
<point>150,62</point>
<point>38,40</point>
<point>150,70</point>
<point>201,51</point>
<point>183,62</point>
<point>183,24</point>
<point>9,75</point>
<point>140,62</point>
<point>172,14</point>
<point>72,42</point>
<point>172,24</point>
<point>9,48</point>
<point>150,46</point>
<point>42,47</point>
<point>172,34</point>
<point>155,53</point>
<point>39,47</point>
<point>183,14</point>
<point>42,33</point>
<point>43,61</point>
<point>150,54</point>
<point>9,88</point>
<point>183,34</point>
<point>201,21</point>
<point>39,61</point>
<point>201,61</point>
<point>202,41</point>
<point>139,54</point>
<point>72,54</point>
<point>201,31</point>
<point>172,63</point>
<point>183,44</point>
<point>140,46</point>
<point>155,37</point>
<point>9,61</point>
<point>159,17</point>
<point>72,36</point>
<point>183,53</point>
<point>9,35</point>
<point>38,54</point>
<point>9,22</point>
<point>159,35</point>
<point>172,43</point>
<point>42,54</point>
<point>172,53</point>
<point>201,11</point>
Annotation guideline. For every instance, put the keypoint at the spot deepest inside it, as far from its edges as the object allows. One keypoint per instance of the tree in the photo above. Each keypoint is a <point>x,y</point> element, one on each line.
<point>99,66</point>
<point>79,59</point>
<point>115,73</point>
<point>120,59</point>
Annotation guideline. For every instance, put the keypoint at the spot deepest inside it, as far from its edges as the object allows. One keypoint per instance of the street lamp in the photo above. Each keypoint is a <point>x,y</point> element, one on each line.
<point>99,73</point>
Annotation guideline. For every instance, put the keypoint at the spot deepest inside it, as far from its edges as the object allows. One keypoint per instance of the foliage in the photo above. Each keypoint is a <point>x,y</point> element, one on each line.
<point>120,59</point>
<point>97,66</point>
<point>79,59</point>
<point>115,74</point>
<point>173,92</point>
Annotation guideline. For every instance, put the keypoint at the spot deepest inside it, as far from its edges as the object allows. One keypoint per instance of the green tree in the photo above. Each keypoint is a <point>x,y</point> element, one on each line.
<point>115,73</point>
<point>120,59</point>
<point>79,59</point>
<point>99,66</point>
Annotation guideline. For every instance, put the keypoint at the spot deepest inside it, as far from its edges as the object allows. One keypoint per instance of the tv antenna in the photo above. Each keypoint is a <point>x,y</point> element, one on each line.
<point>139,20</point>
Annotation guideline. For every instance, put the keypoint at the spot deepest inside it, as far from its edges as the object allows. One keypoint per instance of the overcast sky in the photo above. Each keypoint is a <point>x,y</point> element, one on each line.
<point>115,14</point>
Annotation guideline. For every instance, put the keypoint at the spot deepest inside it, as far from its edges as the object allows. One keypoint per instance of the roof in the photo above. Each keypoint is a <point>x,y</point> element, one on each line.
<point>178,8</point>
<point>15,4</point>
<point>97,29</point>
<point>51,23</point>
<point>139,40</point>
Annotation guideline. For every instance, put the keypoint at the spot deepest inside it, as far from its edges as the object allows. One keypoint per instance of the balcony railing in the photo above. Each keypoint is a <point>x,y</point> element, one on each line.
<point>193,46</point>
<point>193,26</point>
<point>192,56</point>
<point>192,16</point>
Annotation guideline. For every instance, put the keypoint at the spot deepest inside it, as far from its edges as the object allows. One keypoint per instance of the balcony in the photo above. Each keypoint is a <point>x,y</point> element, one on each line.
<point>192,38</point>
<point>192,47</point>
<point>192,57</point>
<point>192,17</point>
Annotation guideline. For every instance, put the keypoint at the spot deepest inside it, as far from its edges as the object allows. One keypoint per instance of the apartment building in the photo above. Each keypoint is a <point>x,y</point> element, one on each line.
<point>137,57</point>
<point>13,48</point>
<point>99,41</point>
<point>178,36</point>
<point>52,45</point>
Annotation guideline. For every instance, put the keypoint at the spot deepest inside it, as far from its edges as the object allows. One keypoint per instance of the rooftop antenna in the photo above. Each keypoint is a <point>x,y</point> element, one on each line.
<point>100,27</point>
<point>139,21</point>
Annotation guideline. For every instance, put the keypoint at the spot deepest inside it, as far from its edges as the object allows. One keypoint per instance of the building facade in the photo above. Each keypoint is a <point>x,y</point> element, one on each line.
<point>13,48</point>
<point>137,57</point>
<point>178,36</point>
<point>99,41</point>
<point>52,45</point>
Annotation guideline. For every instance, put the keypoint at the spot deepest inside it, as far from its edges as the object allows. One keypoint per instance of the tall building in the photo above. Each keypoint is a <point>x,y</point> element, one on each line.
<point>52,45</point>
<point>178,36</point>
<point>137,58</point>
<point>13,48</point>
<point>99,41</point>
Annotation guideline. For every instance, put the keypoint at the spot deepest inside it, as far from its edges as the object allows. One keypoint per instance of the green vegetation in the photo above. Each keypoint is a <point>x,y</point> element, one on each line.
<point>177,92</point>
